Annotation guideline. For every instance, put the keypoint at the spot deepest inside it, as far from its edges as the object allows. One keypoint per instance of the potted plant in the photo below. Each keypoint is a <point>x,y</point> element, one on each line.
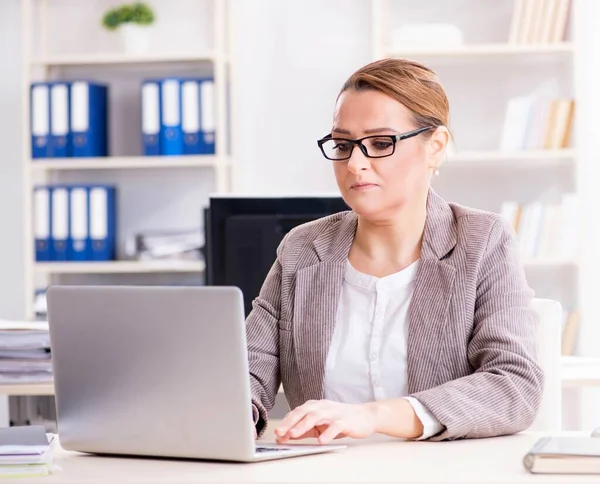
<point>134,22</point>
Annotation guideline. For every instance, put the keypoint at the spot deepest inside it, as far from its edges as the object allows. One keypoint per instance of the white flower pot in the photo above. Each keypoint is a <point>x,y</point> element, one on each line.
<point>136,38</point>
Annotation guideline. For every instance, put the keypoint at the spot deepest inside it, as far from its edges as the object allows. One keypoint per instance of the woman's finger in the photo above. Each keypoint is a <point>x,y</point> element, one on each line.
<point>290,420</point>
<point>312,433</point>
<point>309,422</point>
<point>330,433</point>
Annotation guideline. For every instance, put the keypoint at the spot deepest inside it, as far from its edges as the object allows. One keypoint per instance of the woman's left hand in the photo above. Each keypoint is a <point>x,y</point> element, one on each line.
<point>326,420</point>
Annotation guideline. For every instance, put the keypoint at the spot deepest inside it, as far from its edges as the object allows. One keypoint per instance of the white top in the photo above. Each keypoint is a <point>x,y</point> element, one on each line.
<point>367,356</point>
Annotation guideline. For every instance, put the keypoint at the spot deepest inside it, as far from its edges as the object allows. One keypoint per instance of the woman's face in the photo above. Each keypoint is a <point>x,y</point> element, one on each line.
<point>379,188</point>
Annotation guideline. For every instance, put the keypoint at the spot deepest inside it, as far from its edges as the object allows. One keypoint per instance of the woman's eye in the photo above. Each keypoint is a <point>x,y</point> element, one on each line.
<point>342,147</point>
<point>382,145</point>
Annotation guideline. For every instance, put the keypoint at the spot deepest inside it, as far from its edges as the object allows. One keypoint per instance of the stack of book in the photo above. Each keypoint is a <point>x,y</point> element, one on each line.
<point>539,120</point>
<point>539,21</point>
<point>26,452</point>
<point>25,352</point>
<point>546,231</point>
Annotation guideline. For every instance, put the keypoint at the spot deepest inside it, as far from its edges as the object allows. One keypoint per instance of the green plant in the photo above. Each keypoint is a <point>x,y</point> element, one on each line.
<point>136,13</point>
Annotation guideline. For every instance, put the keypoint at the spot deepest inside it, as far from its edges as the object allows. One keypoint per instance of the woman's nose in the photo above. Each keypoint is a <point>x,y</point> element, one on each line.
<point>358,161</point>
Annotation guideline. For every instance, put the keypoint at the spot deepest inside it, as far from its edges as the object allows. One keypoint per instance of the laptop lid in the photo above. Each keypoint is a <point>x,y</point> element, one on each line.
<point>159,371</point>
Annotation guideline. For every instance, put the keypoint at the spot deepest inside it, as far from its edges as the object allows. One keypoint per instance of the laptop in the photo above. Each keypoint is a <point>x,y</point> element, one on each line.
<point>156,371</point>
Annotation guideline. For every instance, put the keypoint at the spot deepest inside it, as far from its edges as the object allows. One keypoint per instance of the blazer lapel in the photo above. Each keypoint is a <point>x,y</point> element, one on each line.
<point>434,285</point>
<point>318,289</point>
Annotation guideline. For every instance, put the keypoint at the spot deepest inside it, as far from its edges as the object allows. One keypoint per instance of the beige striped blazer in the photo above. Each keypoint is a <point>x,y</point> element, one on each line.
<point>471,344</point>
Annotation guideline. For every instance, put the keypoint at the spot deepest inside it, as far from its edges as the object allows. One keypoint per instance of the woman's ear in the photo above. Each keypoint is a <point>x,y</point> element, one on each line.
<point>437,145</point>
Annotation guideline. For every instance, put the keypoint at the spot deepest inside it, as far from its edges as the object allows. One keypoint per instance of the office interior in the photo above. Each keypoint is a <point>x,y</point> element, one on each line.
<point>522,84</point>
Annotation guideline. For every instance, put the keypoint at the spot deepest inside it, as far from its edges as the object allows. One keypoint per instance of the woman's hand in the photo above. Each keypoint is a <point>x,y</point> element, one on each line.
<point>327,420</point>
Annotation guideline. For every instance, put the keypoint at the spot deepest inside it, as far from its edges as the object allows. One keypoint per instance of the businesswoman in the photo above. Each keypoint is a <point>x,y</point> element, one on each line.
<point>407,315</point>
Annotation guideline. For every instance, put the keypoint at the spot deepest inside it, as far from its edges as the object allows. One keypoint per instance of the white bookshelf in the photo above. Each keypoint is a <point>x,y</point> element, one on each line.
<point>45,58</point>
<point>491,63</point>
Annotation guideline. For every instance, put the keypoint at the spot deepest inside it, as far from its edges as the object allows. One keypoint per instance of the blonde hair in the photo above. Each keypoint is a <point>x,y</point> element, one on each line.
<point>410,83</point>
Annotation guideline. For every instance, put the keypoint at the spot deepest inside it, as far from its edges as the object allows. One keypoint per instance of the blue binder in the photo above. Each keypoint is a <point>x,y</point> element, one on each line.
<point>79,219</point>
<point>42,223</point>
<point>59,144</point>
<point>60,222</point>
<point>89,119</point>
<point>103,218</point>
<point>39,119</point>
<point>151,117</point>
<point>198,116</point>
<point>171,135</point>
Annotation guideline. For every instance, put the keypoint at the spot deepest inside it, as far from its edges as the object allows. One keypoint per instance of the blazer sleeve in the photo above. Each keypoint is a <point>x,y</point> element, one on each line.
<point>262,334</point>
<point>503,394</point>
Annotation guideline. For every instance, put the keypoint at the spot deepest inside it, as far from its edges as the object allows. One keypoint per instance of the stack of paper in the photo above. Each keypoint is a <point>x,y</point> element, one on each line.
<point>156,245</point>
<point>25,451</point>
<point>25,352</point>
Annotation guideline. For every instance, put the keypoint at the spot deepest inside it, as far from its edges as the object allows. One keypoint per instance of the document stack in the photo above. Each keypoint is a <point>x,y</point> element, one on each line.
<point>178,116</point>
<point>25,352</point>
<point>75,223</point>
<point>69,119</point>
<point>179,245</point>
<point>26,451</point>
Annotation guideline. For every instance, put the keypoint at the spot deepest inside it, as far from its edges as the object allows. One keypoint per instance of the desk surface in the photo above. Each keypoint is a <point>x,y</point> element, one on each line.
<point>497,460</point>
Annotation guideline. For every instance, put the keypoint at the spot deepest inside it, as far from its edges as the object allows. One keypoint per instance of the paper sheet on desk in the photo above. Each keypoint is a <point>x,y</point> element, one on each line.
<point>25,451</point>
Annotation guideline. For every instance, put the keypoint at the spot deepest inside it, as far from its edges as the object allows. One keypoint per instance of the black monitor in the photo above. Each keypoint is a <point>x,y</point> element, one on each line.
<point>242,235</point>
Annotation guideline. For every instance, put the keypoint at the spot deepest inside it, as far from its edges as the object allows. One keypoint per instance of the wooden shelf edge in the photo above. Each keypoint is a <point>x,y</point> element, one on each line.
<point>492,49</point>
<point>126,162</point>
<point>119,267</point>
<point>486,157</point>
<point>26,389</point>
<point>123,58</point>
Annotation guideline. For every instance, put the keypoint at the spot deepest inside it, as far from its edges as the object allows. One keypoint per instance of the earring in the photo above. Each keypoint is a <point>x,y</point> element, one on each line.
<point>436,172</point>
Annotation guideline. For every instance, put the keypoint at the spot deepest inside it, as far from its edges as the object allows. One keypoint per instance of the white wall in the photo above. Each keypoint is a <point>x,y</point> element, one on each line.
<point>11,211</point>
<point>291,59</point>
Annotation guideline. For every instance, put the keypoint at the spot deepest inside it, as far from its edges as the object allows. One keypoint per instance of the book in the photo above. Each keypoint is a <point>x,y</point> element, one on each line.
<point>564,455</point>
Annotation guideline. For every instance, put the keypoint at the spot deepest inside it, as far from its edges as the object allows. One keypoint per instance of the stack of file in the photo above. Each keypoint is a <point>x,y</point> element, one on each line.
<point>178,116</point>
<point>69,119</point>
<point>25,352</point>
<point>26,452</point>
<point>75,223</point>
<point>180,245</point>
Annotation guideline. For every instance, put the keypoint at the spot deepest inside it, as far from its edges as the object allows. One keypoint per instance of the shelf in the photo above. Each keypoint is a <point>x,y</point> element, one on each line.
<point>523,159</point>
<point>26,389</point>
<point>485,50</point>
<point>549,264</point>
<point>119,58</point>
<point>124,162</point>
<point>119,267</point>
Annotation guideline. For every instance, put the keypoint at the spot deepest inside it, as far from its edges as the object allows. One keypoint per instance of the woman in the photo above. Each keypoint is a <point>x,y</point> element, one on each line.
<point>407,315</point>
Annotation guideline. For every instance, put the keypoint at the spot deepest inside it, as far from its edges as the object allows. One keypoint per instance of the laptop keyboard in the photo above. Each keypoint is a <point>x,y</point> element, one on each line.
<point>272,449</point>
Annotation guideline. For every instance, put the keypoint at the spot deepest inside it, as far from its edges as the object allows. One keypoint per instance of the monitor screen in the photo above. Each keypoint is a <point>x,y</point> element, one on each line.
<point>242,235</point>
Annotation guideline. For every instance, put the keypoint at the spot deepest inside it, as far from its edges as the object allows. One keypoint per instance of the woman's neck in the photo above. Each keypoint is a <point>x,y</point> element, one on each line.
<point>383,247</point>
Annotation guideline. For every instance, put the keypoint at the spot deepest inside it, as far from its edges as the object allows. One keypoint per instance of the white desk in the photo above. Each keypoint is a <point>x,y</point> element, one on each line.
<point>496,460</point>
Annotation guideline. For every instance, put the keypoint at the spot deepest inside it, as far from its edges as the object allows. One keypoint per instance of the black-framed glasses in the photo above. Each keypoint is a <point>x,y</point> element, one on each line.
<point>376,146</point>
